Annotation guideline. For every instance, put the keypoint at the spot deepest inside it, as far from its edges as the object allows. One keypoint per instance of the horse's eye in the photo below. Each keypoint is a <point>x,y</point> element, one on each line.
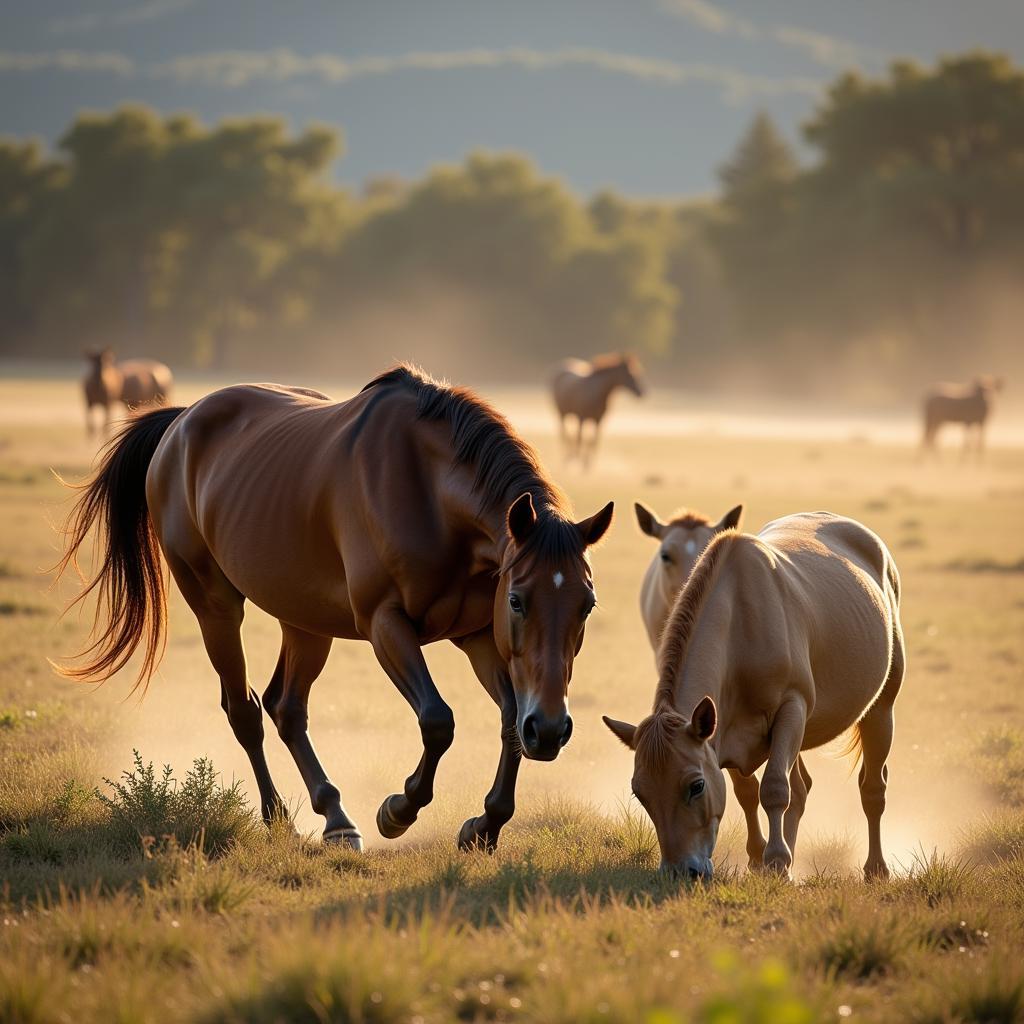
<point>696,788</point>
<point>515,604</point>
<point>666,557</point>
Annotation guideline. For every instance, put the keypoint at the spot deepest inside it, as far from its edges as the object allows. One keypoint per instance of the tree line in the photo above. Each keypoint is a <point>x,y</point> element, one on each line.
<point>890,250</point>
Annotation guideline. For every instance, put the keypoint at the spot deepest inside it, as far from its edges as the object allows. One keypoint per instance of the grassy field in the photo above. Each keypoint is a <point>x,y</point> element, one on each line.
<point>113,911</point>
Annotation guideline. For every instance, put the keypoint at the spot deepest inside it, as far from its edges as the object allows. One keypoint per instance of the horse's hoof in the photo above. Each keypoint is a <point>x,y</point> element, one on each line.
<point>470,838</point>
<point>388,824</point>
<point>876,872</point>
<point>349,836</point>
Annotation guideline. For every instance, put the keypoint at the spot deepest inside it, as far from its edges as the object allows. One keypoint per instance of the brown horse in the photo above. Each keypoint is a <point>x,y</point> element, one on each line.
<point>408,514</point>
<point>778,643</point>
<point>582,389</point>
<point>134,383</point>
<point>967,404</point>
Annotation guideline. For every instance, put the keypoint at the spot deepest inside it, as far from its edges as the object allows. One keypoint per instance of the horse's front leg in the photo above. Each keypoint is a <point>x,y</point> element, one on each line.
<point>397,647</point>
<point>500,802</point>
<point>786,740</point>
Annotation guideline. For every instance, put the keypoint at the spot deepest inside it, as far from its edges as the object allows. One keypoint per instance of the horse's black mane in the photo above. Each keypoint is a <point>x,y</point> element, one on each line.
<point>505,465</point>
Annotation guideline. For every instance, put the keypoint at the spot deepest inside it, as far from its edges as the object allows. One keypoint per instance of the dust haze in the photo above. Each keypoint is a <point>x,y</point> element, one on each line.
<point>672,449</point>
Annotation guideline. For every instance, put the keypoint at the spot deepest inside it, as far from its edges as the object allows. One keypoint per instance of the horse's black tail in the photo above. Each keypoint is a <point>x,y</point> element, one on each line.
<point>130,583</point>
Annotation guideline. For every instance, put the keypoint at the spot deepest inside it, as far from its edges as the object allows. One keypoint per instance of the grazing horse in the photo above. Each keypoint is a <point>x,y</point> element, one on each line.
<point>409,514</point>
<point>134,383</point>
<point>582,389</point>
<point>967,404</point>
<point>778,643</point>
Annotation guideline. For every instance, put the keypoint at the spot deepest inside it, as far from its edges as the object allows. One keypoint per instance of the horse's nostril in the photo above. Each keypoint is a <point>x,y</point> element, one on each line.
<point>566,731</point>
<point>694,874</point>
<point>529,731</point>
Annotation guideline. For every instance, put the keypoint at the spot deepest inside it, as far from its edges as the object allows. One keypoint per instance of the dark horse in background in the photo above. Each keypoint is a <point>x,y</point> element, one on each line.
<point>409,514</point>
<point>582,389</point>
<point>967,404</point>
<point>133,383</point>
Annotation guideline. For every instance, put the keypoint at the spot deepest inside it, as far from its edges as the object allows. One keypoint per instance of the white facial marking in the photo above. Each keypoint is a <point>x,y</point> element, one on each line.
<point>691,546</point>
<point>558,579</point>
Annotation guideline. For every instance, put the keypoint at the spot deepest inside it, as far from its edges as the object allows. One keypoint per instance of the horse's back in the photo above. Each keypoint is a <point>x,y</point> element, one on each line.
<point>821,546</point>
<point>839,588</point>
<point>144,380</point>
<point>250,476</point>
<point>955,403</point>
<point>569,385</point>
<point>245,429</point>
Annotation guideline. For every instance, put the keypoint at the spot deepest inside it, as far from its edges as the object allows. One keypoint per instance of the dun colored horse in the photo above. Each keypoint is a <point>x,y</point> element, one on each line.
<point>409,514</point>
<point>778,643</point>
<point>582,389</point>
<point>953,403</point>
<point>682,541</point>
<point>134,383</point>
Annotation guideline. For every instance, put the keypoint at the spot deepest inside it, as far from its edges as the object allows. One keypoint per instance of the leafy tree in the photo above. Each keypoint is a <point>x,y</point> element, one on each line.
<point>940,152</point>
<point>168,229</point>
<point>28,182</point>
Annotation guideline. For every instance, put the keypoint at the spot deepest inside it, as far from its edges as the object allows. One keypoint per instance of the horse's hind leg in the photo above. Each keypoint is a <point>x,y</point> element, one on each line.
<point>286,699</point>
<point>219,609</point>
<point>746,788</point>
<point>591,449</point>
<point>876,729</point>
<point>397,646</point>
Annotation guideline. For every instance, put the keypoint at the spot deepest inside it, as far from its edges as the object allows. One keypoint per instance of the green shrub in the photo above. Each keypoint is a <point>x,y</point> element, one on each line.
<point>144,809</point>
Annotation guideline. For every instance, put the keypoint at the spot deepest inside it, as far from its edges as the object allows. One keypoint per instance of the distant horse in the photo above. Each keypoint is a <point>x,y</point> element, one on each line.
<point>778,643</point>
<point>134,383</point>
<point>582,389</point>
<point>967,404</point>
<point>409,514</point>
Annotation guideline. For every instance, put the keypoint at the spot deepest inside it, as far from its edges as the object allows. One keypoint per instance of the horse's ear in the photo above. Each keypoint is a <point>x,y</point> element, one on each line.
<point>705,719</point>
<point>624,731</point>
<point>731,519</point>
<point>522,518</point>
<point>594,528</point>
<point>649,522</point>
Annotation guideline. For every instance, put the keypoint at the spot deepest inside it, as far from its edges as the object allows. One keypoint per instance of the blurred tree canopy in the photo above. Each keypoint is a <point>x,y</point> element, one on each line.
<point>895,253</point>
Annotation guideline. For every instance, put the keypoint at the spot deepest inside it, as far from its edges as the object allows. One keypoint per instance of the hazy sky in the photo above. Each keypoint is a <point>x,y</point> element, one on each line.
<point>648,96</point>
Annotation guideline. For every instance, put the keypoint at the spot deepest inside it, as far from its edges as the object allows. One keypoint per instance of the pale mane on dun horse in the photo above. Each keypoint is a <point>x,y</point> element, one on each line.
<point>778,643</point>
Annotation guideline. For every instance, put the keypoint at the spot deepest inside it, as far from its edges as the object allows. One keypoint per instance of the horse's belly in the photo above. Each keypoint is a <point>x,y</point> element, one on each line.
<point>846,683</point>
<point>315,602</point>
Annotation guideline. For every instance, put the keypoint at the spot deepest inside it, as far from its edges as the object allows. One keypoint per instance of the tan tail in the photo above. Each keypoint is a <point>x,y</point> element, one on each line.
<point>853,747</point>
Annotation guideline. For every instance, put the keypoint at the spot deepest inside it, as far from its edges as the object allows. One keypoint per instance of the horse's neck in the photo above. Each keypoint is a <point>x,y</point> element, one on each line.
<point>486,525</point>
<point>604,380</point>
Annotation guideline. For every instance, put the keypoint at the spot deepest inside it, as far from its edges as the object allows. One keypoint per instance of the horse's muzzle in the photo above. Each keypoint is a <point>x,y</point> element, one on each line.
<point>542,737</point>
<point>692,869</point>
